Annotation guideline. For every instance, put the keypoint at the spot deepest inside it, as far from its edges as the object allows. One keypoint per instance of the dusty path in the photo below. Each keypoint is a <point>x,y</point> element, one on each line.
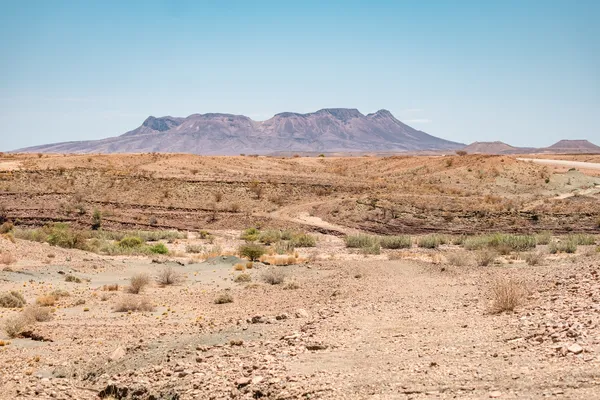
<point>298,214</point>
<point>563,163</point>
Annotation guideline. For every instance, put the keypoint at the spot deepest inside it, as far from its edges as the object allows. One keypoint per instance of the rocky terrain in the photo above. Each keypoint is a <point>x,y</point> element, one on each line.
<point>562,147</point>
<point>381,278</point>
<point>327,130</point>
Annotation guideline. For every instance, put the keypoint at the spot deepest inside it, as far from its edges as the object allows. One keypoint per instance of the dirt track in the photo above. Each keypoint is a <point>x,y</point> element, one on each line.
<point>563,163</point>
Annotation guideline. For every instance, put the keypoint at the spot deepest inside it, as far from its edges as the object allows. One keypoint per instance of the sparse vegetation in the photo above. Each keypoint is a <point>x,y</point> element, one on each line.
<point>303,240</point>
<point>7,258</point>
<point>224,298</point>
<point>431,241</point>
<point>129,303</point>
<point>72,278</point>
<point>37,313</point>
<point>168,276</point>
<point>194,249</point>
<point>242,278</point>
<point>502,242</point>
<point>396,242</point>
<point>507,293</point>
<point>534,258</point>
<point>130,242</point>
<point>138,282</point>
<point>13,326</point>
<point>361,241</point>
<point>252,251</point>
<point>46,300</point>
<point>159,248</point>
<point>273,276</point>
<point>582,239</point>
<point>12,299</point>
<point>6,227</point>
<point>250,234</point>
<point>485,257</point>
<point>458,258</point>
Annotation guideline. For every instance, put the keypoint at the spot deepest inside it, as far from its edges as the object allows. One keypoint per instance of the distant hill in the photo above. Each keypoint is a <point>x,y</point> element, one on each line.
<point>571,146</point>
<point>561,147</point>
<point>327,130</point>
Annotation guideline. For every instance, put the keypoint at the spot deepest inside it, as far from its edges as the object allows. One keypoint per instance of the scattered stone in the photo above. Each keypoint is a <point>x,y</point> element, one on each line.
<point>575,348</point>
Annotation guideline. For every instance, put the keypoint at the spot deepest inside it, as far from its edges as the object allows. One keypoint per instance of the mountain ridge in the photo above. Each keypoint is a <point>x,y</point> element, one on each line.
<point>327,129</point>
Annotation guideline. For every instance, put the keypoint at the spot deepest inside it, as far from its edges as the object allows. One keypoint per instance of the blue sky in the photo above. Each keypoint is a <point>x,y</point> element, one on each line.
<point>524,72</point>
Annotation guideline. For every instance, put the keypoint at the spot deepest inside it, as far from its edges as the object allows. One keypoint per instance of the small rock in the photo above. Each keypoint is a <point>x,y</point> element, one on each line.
<point>575,348</point>
<point>241,382</point>
<point>301,313</point>
<point>495,394</point>
<point>117,354</point>
<point>257,379</point>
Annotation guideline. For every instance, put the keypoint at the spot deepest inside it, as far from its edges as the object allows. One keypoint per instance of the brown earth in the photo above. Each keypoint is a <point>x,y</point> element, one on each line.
<point>404,324</point>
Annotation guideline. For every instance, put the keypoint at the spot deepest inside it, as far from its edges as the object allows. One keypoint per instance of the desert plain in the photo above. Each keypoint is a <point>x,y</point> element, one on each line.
<point>172,276</point>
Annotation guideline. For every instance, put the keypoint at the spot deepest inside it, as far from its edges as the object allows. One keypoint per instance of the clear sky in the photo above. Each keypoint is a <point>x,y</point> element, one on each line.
<point>524,72</point>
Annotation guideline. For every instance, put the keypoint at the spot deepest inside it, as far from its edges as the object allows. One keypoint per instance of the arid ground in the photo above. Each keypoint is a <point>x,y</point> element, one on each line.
<point>168,276</point>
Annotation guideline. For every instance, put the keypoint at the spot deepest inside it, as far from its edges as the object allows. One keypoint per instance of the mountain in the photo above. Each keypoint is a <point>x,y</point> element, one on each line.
<point>496,148</point>
<point>326,130</point>
<point>571,146</point>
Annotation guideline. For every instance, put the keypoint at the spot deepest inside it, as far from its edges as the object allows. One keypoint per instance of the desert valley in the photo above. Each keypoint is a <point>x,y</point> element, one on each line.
<point>178,276</point>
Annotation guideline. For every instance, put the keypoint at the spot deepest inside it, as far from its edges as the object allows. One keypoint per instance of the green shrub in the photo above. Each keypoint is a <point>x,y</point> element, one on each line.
<point>250,235</point>
<point>303,240</point>
<point>375,249</point>
<point>583,239</point>
<point>269,236</point>
<point>159,248</point>
<point>396,242</point>
<point>252,251</point>
<point>62,235</point>
<point>96,220</point>
<point>130,242</point>
<point>360,241</point>
<point>543,238</point>
<point>431,241</point>
<point>502,242</point>
<point>564,246</point>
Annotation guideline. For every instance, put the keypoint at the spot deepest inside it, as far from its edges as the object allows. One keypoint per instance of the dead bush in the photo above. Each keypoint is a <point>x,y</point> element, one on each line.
<point>459,258</point>
<point>241,278</point>
<point>72,278</point>
<point>13,326</point>
<point>37,313</point>
<point>46,300</point>
<point>130,303</point>
<point>7,258</point>
<point>291,285</point>
<point>111,288</point>
<point>168,276</point>
<point>507,294</point>
<point>534,258</point>
<point>137,283</point>
<point>224,298</point>
<point>485,257</point>
<point>273,276</point>
<point>12,299</point>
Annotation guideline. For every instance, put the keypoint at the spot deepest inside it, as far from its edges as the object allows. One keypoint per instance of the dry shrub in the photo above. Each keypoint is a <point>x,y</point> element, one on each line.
<point>459,258</point>
<point>224,298</point>
<point>58,293</point>
<point>137,283</point>
<point>129,303</point>
<point>46,300</point>
<point>291,285</point>
<point>15,325</point>
<point>249,265</point>
<point>241,278</point>
<point>12,299</point>
<point>72,278</point>
<point>273,276</point>
<point>239,267</point>
<point>485,257</point>
<point>507,294</point>
<point>7,258</point>
<point>534,258</point>
<point>168,276</point>
<point>6,227</point>
<point>111,288</point>
<point>37,313</point>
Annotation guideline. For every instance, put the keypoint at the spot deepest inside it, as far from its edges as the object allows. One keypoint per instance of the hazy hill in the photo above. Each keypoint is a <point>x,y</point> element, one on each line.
<point>327,130</point>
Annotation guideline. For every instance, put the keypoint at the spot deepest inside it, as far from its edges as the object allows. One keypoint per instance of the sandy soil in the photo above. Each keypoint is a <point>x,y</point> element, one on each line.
<point>412,323</point>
